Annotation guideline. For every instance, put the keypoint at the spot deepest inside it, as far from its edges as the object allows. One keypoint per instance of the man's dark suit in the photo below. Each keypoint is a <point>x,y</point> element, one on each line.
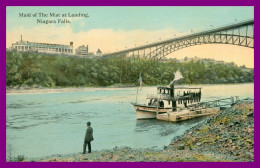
<point>88,139</point>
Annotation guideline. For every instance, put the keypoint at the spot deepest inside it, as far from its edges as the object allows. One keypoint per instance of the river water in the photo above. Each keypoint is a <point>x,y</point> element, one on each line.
<point>39,125</point>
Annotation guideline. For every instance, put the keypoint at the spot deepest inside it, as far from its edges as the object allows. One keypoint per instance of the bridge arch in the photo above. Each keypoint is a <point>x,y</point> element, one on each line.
<point>214,38</point>
<point>169,48</point>
<point>240,34</point>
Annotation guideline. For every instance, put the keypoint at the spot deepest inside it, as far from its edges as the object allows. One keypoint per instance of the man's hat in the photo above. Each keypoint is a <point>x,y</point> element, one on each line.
<point>88,123</point>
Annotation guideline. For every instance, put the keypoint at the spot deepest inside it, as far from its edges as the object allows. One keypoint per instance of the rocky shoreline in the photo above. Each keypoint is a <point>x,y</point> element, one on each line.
<point>225,137</point>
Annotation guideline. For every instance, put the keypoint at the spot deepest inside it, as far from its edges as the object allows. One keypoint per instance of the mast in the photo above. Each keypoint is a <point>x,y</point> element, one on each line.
<point>172,96</point>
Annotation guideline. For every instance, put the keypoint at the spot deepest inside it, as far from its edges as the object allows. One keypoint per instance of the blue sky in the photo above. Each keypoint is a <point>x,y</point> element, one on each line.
<point>146,18</point>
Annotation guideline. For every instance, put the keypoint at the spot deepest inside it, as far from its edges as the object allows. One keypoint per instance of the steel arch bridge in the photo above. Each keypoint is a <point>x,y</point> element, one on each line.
<point>241,34</point>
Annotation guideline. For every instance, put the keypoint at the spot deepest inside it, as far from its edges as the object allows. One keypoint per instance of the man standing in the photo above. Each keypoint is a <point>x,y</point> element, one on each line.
<point>88,138</point>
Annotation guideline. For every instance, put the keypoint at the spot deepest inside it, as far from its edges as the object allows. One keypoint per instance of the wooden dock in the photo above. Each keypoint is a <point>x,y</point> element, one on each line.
<point>200,109</point>
<point>186,114</point>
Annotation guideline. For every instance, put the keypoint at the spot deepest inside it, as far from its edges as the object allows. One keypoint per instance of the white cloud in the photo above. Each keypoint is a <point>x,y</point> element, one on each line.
<point>109,40</point>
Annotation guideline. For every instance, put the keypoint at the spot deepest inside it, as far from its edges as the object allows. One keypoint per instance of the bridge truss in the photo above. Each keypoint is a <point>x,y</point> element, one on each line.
<point>241,34</point>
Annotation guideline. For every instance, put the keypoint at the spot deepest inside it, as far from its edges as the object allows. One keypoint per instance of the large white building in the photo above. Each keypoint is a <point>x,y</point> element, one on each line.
<point>42,47</point>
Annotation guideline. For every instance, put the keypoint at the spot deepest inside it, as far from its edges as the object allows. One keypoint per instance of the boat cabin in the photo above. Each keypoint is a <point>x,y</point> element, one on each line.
<point>174,97</point>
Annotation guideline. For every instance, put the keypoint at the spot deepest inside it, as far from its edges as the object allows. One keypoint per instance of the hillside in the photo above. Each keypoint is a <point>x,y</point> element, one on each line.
<point>33,70</point>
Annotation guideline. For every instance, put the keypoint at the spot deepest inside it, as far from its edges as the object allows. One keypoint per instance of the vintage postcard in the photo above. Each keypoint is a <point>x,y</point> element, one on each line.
<point>129,84</point>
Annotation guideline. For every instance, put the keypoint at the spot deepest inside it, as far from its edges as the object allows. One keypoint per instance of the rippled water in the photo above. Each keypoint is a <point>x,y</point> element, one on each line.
<point>45,124</point>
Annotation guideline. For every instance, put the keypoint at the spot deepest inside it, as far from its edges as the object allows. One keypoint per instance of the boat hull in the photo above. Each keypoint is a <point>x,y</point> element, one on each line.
<point>141,115</point>
<point>148,112</point>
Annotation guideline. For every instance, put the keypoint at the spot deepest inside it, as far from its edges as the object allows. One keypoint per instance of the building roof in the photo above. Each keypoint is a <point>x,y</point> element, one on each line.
<point>99,51</point>
<point>34,44</point>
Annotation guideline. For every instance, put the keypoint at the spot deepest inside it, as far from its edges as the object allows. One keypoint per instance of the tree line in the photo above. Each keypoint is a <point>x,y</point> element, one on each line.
<point>35,69</point>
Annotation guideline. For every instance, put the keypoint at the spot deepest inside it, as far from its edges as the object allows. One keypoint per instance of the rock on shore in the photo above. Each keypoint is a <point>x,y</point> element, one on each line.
<point>229,133</point>
<point>226,136</point>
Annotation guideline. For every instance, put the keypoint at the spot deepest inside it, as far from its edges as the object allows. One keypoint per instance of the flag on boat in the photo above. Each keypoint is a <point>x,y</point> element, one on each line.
<point>141,81</point>
<point>177,76</point>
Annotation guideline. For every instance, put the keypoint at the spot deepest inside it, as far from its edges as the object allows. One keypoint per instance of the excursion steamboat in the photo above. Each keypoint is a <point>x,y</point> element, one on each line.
<point>179,103</point>
<point>167,99</point>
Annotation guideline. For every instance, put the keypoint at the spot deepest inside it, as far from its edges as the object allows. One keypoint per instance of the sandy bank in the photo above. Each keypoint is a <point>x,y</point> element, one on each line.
<point>55,90</point>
